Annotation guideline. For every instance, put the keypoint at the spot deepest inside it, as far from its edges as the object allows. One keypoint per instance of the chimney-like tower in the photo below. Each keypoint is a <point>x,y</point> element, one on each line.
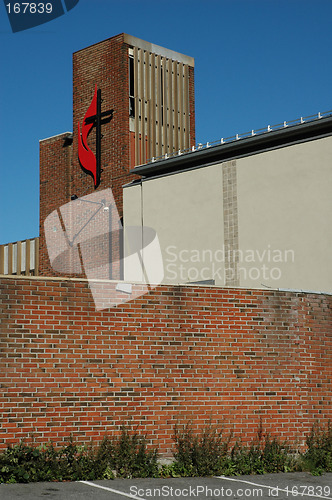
<point>151,92</point>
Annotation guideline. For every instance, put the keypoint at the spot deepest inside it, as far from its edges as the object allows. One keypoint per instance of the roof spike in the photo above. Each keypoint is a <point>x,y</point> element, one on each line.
<point>269,128</point>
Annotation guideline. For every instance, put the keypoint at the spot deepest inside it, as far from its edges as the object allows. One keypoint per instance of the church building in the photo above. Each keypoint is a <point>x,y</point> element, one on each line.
<point>247,211</point>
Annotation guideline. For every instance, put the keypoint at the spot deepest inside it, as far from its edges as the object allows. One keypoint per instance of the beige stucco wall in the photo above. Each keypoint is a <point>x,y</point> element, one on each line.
<point>270,211</point>
<point>285,209</point>
<point>186,210</point>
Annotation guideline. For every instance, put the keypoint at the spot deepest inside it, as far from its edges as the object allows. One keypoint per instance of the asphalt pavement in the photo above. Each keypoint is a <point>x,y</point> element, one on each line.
<point>298,485</point>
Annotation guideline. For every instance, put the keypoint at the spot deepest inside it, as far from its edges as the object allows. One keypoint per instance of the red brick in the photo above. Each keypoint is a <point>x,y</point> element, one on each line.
<point>115,365</point>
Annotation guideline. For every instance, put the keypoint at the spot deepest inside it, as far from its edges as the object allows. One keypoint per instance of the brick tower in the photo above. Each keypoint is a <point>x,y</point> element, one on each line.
<point>151,92</point>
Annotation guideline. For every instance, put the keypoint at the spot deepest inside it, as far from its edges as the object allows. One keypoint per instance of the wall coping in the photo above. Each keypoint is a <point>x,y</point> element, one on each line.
<point>184,285</point>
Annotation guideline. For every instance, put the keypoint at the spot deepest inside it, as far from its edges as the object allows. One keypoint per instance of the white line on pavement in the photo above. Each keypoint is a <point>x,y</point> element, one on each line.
<point>272,487</point>
<point>118,492</point>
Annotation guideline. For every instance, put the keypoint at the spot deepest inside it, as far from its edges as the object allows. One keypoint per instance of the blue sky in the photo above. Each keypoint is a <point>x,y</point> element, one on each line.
<point>257,62</point>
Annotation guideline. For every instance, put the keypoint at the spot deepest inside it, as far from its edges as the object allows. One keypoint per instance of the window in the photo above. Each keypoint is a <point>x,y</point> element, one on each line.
<point>131,88</point>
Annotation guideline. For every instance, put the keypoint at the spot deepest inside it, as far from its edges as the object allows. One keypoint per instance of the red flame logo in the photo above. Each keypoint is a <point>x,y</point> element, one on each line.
<point>86,157</point>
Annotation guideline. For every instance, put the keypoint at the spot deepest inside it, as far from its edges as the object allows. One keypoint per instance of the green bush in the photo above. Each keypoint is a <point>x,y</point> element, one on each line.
<point>263,456</point>
<point>196,454</point>
<point>199,455</point>
<point>124,456</point>
<point>210,454</point>
<point>128,455</point>
<point>24,463</point>
<point>318,457</point>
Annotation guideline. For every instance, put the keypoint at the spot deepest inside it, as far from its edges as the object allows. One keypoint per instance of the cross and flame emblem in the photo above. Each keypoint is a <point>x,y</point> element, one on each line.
<point>90,162</point>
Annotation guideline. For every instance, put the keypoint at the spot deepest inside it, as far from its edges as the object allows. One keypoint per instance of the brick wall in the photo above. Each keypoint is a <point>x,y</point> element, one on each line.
<point>55,157</point>
<point>178,353</point>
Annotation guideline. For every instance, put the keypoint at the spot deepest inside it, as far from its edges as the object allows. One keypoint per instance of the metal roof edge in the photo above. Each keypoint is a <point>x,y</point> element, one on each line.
<point>243,147</point>
<point>67,134</point>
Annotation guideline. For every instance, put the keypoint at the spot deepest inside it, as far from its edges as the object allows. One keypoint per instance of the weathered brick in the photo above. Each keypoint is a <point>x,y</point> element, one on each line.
<point>158,365</point>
